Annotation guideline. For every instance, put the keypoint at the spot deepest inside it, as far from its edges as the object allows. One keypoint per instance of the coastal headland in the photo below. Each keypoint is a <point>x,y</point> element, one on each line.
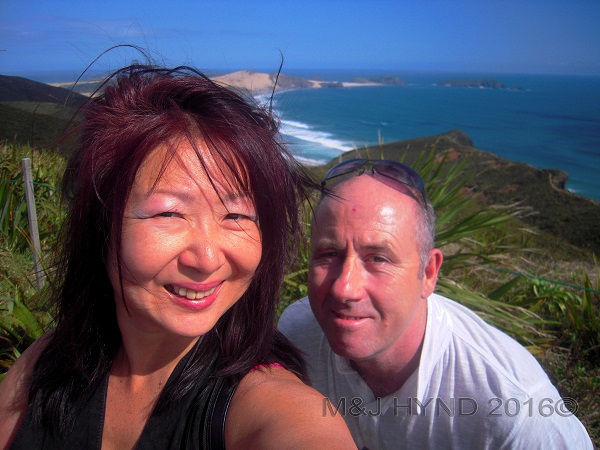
<point>259,82</point>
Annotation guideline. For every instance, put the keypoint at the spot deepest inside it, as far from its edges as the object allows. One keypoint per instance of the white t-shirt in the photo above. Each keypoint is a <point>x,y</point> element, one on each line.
<point>475,387</point>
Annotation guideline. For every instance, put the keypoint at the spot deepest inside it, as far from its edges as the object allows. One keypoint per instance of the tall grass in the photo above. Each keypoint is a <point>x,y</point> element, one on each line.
<point>23,316</point>
<point>557,321</point>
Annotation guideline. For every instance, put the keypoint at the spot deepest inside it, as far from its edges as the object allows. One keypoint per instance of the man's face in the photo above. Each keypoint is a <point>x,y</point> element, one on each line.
<point>365,287</point>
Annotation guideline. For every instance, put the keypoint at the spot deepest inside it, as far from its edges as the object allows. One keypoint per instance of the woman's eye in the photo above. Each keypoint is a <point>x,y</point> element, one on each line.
<point>168,214</point>
<point>237,217</point>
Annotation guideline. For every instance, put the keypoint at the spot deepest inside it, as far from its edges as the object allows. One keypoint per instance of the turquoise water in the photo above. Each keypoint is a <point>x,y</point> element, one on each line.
<point>549,122</point>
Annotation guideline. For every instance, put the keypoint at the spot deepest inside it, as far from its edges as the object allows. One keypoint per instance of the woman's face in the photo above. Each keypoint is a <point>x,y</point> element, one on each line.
<point>188,253</point>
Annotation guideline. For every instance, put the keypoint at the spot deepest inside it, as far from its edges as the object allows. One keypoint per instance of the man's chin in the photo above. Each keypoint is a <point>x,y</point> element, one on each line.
<point>352,349</point>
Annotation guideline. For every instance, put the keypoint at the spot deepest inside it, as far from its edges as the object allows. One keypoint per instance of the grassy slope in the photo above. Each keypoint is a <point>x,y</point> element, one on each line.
<point>34,124</point>
<point>36,114</point>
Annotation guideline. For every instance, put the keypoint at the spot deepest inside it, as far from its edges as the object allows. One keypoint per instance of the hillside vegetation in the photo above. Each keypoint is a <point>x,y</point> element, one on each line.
<point>540,193</point>
<point>508,254</point>
<point>36,114</point>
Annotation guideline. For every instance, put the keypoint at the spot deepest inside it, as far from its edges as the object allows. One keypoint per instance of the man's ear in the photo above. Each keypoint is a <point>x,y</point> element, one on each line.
<point>430,274</point>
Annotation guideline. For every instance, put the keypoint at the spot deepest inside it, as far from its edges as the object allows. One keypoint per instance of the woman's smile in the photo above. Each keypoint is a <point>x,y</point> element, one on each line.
<point>190,294</point>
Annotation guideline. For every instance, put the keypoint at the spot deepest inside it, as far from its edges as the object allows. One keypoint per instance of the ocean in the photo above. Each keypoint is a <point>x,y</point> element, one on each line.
<point>545,121</point>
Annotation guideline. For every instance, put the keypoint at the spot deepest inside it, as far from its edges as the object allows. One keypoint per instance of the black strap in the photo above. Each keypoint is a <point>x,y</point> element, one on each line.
<point>214,425</point>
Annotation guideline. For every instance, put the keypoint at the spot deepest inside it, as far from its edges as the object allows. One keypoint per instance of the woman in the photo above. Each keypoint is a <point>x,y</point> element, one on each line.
<point>182,221</point>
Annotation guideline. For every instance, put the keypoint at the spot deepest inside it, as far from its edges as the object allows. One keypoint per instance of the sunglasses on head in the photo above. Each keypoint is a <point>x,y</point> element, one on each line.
<point>389,169</point>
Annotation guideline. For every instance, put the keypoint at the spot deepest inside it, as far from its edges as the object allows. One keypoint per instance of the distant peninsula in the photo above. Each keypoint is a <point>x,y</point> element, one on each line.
<point>258,82</point>
<point>479,83</point>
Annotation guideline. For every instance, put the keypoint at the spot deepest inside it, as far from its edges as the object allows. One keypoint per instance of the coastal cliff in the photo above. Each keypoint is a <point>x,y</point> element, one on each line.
<point>541,193</point>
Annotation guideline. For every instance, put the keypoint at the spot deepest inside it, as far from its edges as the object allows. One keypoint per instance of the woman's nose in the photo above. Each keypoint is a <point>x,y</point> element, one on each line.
<point>202,251</point>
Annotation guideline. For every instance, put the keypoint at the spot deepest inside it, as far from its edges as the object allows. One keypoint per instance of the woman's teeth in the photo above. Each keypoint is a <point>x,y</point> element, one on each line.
<point>192,295</point>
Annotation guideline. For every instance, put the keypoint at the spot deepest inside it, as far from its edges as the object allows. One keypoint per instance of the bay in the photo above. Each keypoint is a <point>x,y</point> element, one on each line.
<point>545,121</point>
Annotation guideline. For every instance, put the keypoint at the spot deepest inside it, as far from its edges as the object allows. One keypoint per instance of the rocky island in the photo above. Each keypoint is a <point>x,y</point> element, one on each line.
<point>478,83</point>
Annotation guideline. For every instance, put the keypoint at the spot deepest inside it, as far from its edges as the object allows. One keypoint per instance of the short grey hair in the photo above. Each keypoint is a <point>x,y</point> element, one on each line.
<point>425,233</point>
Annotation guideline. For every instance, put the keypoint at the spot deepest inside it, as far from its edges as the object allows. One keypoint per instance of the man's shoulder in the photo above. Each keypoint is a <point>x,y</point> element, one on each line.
<point>502,364</point>
<point>298,323</point>
<point>469,327</point>
<point>506,388</point>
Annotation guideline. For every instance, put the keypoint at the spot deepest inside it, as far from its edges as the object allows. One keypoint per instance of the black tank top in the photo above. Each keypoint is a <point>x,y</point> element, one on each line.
<point>197,421</point>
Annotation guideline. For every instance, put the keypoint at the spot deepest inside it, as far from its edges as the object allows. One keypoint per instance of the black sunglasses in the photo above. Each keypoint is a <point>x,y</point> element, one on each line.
<point>390,169</point>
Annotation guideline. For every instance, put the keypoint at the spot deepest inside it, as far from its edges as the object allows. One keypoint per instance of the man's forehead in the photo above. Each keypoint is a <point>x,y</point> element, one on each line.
<point>363,194</point>
<point>358,230</point>
<point>366,188</point>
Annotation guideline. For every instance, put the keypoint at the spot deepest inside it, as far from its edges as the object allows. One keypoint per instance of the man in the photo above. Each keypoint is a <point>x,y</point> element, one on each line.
<point>406,367</point>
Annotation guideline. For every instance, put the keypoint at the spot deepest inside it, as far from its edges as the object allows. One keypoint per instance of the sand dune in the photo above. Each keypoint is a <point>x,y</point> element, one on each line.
<point>247,79</point>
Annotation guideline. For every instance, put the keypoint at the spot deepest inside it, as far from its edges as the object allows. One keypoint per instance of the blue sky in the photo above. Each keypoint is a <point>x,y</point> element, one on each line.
<point>492,36</point>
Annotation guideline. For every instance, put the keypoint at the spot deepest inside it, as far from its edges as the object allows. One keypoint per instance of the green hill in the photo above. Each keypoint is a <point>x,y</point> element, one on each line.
<point>36,114</point>
<point>18,89</point>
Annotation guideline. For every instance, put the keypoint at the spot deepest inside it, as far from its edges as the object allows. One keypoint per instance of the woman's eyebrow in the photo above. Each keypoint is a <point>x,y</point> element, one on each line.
<point>182,194</point>
<point>233,197</point>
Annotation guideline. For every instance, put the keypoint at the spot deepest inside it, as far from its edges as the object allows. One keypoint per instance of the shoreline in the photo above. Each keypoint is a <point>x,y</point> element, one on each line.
<point>256,83</point>
<point>259,82</point>
<point>311,136</point>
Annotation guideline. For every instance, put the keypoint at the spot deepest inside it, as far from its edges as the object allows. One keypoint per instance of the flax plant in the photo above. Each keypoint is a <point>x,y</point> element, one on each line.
<point>23,316</point>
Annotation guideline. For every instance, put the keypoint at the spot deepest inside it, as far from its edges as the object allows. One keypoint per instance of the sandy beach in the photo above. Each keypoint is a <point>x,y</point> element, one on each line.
<point>254,82</point>
<point>258,82</point>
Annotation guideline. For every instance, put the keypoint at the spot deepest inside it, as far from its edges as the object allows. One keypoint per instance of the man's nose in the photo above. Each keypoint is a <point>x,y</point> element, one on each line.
<point>349,284</point>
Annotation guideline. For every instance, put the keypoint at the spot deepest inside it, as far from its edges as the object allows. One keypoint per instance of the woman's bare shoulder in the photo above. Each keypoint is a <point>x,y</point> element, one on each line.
<point>272,408</point>
<point>14,390</point>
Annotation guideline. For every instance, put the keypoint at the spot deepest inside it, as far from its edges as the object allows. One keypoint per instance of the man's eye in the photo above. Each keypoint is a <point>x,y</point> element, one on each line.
<point>377,259</point>
<point>328,255</point>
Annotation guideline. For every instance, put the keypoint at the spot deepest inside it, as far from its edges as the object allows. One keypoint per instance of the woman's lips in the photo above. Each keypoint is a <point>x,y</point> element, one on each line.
<point>197,298</point>
<point>190,294</point>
